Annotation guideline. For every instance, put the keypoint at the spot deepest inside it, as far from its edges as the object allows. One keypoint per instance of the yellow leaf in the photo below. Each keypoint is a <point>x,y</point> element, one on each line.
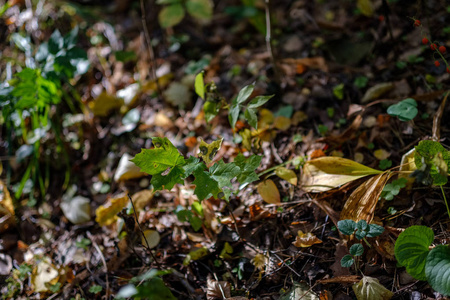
<point>142,199</point>
<point>6,209</point>
<point>366,7</point>
<point>269,191</point>
<point>361,203</point>
<point>260,261</point>
<point>377,91</point>
<point>266,118</point>
<point>282,123</point>
<point>305,240</point>
<point>370,289</point>
<point>195,255</point>
<point>287,175</point>
<point>326,173</point>
<point>407,165</point>
<point>104,104</point>
<point>152,237</point>
<point>106,214</point>
<point>381,154</point>
<point>43,275</point>
<point>226,251</point>
<point>208,151</point>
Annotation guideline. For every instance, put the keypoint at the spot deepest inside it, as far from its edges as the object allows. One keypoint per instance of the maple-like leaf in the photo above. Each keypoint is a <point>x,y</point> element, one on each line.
<point>205,186</point>
<point>192,165</point>
<point>223,173</point>
<point>157,160</point>
<point>166,182</point>
<point>248,167</point>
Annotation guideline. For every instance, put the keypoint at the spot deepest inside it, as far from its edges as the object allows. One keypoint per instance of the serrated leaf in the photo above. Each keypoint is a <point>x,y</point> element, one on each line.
<point>325,173</point>
<point>370,289</point>
<point>287,175</point>
<point>375,230</point>
<point>248,167</point>
<point>269,191</point>
<point>167,182</point>
<point>411,249</point>
<point>347,227</point>
<point>205,186</point>
<point>157,160</point>
<point>347,261</point>
<point>208,151</point>
<point>200,85</point>
<point>437,269</point>
<point>223,173</point>
<point>192,165</point>
<point>171,15</point>
<point>356,250</point>
<point>244,93</point>
<point>200,9</point>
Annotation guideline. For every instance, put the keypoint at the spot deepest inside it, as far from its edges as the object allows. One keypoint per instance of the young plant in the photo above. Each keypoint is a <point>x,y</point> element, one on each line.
<point>174,10</point>
<point>361,230</point>
<point>412,250</point>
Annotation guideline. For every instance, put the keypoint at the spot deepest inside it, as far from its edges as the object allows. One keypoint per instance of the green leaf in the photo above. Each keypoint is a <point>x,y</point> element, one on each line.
<point>223,173</point>
<point>248,167</point>
<point>385,164</point>
<point>56,42</point>
<point>347,227</point>
<point>411,249</point>
<point>200,9</point>
<point>375,230</point>
<point>405,110</point>
<point>437,269</point>
<point>433,156</point>
<point>361,82</point>
<point>95,289</point>
<point>199,85</point>
<point>356,250</point>
<point>360,234</point>
<point>259,101</point>
<point>211,109</point>
<point>338,91</point>
<point>362,225</point>
<point>192,165</point>
<point>347,261</point>
<point>171,15</point>
<point>154,289</point>
<point>205,186</point>
<point>233,113</point>
<point>244,93</point>
<point>167,182</point>
<point>393,189</point>
<point>251,117</point>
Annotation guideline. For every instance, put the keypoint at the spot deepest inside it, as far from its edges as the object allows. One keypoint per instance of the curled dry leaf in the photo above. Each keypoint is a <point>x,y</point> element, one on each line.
<point>326,173</point>
<point>269,191</point>
<point>217,289</point>
<point>370,289</point>
<point>361,203</point>
<point>287,175</point>
<point>304,240</point>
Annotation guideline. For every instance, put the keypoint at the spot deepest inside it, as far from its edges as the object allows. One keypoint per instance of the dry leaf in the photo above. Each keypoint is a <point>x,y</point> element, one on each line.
<point>300,290</point>
<point>381,154</point>
<point>366,7</point>
<point>77,209</point>
<point>127,170</point>
<point>106,214</point>
<point>152,237</point>
<point>287,175</point>
<point>348,133</point>
<point>43,275</point>
<point>370,289</point>
<point>142,198</point>
<point>309,62</point>
<point>104,104</point>
<point>217,289</point>
<point>269,191</point>
<point>282,123</point>
<point>260,261</point>
<point>298,117</point>
<point>361,203</point>
<point>7,219</point>
<point>437,120</point>
<point>326,173</point>
<point>377,91</point>
<point>342,279</point>
<point>304,240</point>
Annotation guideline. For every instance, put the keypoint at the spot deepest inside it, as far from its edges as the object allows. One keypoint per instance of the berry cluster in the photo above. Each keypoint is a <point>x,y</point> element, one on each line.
<point>440,50</point>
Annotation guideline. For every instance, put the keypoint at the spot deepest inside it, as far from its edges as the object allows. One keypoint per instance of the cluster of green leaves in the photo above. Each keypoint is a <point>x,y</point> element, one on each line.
<point>393,189</point>
<point>432,161</point>
<point>147,286</point>
<point>412,251</point>
<point>174,10</point>
<point>361,230</point>
<point>168,167</point>
<point>213,102</point>
<point>250,11</point>
<point>405,110</point>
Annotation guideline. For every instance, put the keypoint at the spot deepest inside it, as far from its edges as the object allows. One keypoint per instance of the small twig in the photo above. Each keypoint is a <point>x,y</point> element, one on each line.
<point>151,52</point>
<point>143,235</point>
<point>102,257</point>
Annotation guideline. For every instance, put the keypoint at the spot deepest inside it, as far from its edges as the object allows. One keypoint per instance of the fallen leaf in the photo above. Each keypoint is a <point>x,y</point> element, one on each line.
<point>361,203</point>
<point>269,191</point>
<point>407,166</point>
<point>287,175</point>
<point>370,289</point>
<point>43,275</point>
<point>142,198</point>
<point>381,154</point>
<point>76,209</point>
<point>366,7</point>
<point>127,170</point>
<point>7,219</point>
<point>153,238</point>
<point>377,91</point>
<point>217,289</point>
<point>299,291</point>
<point>195,255</point>
<point>104,104</point>
<point>326,173</point>
<point>304,240</point>
<point>106,214</point>
<point>282,123</point>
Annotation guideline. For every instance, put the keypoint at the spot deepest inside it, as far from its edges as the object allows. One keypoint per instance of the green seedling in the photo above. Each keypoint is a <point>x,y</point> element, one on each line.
<point>405,110</point>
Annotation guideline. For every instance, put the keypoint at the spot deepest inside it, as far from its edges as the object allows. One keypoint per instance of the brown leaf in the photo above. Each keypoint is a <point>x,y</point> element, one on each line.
<point>269,191</point>
<point>342,279</point>
<point>361,203</point>
<point>217,289</point>
<point>304,240</point>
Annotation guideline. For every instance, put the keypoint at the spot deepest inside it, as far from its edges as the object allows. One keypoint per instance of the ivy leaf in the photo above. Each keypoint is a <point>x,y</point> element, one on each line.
<point>205,186</point>
<point>223,173</point>
<point>248,167</point>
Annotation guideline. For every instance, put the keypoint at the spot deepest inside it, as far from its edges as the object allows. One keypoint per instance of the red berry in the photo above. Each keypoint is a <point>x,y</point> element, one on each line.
<point>442,49</point>
<point>425,41</point>
<point>417,23</point>
<point>381,18</point>
<point>437,64</point>
<point>448,71</point>
<point>433,47</point>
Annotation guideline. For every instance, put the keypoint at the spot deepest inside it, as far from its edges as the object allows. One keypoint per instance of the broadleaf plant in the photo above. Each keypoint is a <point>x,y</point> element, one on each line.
<point>405,110</point>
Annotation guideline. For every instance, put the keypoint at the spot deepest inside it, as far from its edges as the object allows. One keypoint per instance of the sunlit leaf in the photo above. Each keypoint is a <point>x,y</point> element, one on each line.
<point>104,104</point>
<point>106,213</point>
<point>200,85</point>
<point>269,191</point>
<point>260,261</point>
<point>152,238</point>
<point>195,255</point>
<point>171,15</point>
<point>370,289</point>
<point>44,274</point>
<point>287,175</point>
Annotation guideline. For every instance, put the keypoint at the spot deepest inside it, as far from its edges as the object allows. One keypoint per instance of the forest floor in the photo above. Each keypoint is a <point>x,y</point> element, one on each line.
<point>240,195</point>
